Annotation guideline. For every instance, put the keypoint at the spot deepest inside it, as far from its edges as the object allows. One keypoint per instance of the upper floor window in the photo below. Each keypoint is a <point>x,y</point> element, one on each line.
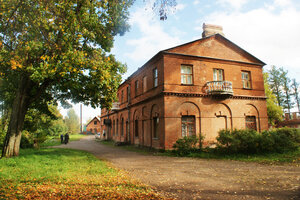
<point>187,125</point>
<point>155,77</point>
<point>144,84</point>
<point>128,93</point>
<point>218,75</point>
<point>136,87</point>
<point>246,79</point>
<point>186,74</point>
<point>122,96</point>
<point>95,122</point>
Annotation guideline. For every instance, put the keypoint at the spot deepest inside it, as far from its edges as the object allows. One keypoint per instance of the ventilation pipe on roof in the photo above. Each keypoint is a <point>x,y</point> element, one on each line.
<point>210,29</point>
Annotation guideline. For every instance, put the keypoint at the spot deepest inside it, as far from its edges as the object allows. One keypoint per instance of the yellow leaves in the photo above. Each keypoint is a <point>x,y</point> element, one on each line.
<point>15,64</point>
<point>0,44</point>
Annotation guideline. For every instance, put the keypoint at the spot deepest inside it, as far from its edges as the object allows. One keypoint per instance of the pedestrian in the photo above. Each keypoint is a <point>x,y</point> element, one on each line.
<point>62,138</point>
<point>66,138</point>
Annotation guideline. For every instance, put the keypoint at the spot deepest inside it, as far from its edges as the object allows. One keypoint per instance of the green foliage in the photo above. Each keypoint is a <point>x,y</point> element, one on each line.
<point>251,142</point>
<point>55,51</point>
<point>39,126</point>
<point>61,47</point>
<point>26,140</point>
<point>186,145</point>
<point>274,111</point>
<point>238,141</point>
<point>72,122</point>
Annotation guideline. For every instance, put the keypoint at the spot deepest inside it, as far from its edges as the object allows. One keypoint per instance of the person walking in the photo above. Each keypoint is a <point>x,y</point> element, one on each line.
<point>66,138</point>
<point>62,138</point>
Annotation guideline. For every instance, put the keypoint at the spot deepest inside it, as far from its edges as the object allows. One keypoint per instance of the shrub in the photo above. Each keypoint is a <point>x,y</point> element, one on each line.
<point>26,140</point>
<point>238,141</point>
<point>251,142</point>
<point>186,145</point>
<point>280,140</point>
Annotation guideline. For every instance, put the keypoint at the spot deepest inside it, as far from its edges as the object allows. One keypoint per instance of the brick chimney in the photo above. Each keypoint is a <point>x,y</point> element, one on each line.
<point>210,29</point>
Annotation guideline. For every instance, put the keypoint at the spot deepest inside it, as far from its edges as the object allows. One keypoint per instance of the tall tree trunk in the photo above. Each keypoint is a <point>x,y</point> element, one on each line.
<point>21,103</point>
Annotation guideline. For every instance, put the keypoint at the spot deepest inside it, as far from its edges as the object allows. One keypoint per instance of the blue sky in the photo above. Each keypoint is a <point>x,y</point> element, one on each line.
<point>268,29</point>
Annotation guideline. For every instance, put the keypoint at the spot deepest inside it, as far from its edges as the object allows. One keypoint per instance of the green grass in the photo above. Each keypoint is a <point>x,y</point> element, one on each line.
<point>55,141</point>
<point>271,158</point>
<point>65,173</point>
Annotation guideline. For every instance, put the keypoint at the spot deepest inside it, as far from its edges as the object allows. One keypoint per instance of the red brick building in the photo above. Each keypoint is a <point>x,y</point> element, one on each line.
<point>196,88</point>
<point>93,126</point>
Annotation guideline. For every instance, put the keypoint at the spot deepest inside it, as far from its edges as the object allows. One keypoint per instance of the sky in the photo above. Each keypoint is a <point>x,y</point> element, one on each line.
<point>267,29</point>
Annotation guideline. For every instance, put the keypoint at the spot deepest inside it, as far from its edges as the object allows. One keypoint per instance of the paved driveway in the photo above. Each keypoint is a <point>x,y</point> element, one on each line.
<point>188,178</point>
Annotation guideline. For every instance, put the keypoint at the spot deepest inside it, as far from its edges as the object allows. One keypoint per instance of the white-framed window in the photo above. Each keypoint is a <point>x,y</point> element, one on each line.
<point>246,79</point>
<point>188,126</point>
<point>186,74</point>
<point>218,75</point>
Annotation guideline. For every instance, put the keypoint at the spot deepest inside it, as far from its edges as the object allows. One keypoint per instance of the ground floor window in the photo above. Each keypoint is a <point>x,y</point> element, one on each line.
<point>187,126</point>
<point>251,122</point>
<point>155,127</point>
<point>122,126</point>
<point>117,127</point>
<point>136,125</point>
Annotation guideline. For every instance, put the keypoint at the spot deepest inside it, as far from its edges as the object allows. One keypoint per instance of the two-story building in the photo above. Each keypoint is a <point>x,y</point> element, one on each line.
<point>195,88</point>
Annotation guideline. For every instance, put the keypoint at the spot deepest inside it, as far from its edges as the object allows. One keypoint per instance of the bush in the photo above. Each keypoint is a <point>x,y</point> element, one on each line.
<point>280,140</point>
<point>186,145</point>
<point>26,140</point>
<point>238,141</point>
<point>251,142</point>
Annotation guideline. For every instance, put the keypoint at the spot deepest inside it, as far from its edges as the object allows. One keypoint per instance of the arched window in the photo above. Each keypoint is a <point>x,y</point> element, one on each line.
<point>117,128</point>
<point>122,126</point>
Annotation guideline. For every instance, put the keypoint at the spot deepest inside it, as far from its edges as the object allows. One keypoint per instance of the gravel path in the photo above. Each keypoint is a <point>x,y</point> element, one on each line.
<point>188,178</point>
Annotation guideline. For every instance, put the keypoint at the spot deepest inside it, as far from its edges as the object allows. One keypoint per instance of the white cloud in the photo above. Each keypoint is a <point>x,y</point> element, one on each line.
<point>236,4</point>
<point>271,36</point>
<point>282,3</point>
<point>180,7</point>
<point>153,37</point>
<point>196,2</point>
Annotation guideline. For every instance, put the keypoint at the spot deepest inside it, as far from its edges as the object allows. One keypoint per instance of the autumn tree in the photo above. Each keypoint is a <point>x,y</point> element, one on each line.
<point>72,122</point>
<point>274,111</point>
<point>57,51</point>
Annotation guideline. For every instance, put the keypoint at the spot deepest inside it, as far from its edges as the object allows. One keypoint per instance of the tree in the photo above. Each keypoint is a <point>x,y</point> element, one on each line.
<point>286,83</point>
<point>275,83</point>
<point>295,93</point>
<point>72,122</point>
<point>163,7</point>
<point>273,109</point>
<point>58,50</point>
<point>39,125</point>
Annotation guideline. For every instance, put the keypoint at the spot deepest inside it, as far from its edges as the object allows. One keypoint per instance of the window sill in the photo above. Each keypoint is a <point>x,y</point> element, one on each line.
<point>187,84</point>
<point>247,88</point>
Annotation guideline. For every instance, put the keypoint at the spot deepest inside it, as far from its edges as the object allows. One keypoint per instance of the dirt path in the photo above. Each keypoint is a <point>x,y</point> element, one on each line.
<point>187,178</point>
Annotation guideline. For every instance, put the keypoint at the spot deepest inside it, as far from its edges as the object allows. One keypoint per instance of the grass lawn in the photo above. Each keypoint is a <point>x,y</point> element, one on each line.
<point>54,141</point>
<point>50,173</point>
<point>271,158</point>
